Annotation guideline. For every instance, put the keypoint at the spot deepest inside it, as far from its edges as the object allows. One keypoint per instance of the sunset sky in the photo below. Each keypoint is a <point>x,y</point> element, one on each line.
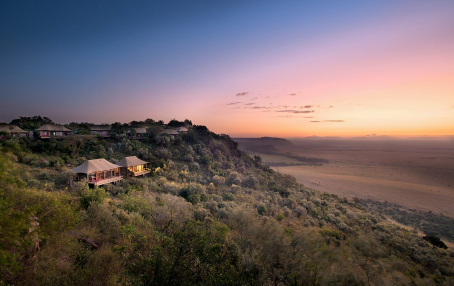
<point>244,68</point>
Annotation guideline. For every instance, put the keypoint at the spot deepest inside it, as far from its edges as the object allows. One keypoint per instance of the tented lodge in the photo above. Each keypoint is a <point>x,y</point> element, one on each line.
<point>53,130</point>
<point>133,166</point>
<point>98,172</point>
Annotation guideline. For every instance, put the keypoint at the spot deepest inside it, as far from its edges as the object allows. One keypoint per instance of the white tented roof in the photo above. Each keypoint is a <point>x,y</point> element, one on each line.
<point>96,165</point>
<point>130,161</point>
<point>53,127</point>
<point>11,128</point>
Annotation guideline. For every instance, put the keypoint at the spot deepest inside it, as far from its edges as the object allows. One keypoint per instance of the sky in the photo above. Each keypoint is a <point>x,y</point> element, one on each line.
<point>243,68</point>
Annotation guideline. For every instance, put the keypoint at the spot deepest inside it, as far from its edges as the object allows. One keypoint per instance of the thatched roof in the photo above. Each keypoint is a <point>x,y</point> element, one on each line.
<point>96,165</point>
<point>7,128</point>
<point>130,161</point>
<point>100,128</point>
<point>170,132</point>
<point>53,127</point>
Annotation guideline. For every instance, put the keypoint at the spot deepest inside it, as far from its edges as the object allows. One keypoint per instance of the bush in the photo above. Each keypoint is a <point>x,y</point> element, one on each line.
<point>95,195</point>
<point>234,178</point>
<point>435,241</point>
<point>262,210</point>
<point>193,192</point>
<point>228,196</point>
<point>218,180</point>
<point>280,217</point>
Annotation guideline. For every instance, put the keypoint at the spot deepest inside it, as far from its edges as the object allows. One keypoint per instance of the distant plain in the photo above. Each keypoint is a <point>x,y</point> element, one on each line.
<point>416,174</point>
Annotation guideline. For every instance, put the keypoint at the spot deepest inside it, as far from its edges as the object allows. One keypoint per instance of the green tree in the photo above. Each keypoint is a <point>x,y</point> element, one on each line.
<point>31,123</point>
<point>133,132</point>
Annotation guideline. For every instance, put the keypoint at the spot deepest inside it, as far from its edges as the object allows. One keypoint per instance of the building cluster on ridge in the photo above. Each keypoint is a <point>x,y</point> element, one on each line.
<point>48,131</point>
<point>97,172</point>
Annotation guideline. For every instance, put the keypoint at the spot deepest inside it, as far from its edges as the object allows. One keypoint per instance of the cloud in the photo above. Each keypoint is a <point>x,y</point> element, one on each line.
<point>330,106</point>
<point>255,98</point>
<point>232,103</point>
<point>242,93</point>
<point>329,121</point>
<point>308,117</point>
<point>292,94</point>
<point>285,116</point>
<point>236,107</point>
<point>295,111</point>
<point>308,106</point>
<point>252,103</point>
<point>257,107</point>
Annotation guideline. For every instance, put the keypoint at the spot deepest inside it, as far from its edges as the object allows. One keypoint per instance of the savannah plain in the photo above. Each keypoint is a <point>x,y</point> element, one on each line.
<point>416,174</point>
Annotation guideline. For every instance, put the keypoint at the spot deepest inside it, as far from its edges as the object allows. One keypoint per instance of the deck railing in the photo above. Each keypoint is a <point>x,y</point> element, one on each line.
<point>98,182</point>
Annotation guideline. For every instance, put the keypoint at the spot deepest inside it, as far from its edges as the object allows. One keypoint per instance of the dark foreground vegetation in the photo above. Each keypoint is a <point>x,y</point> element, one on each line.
<point>209,215</point>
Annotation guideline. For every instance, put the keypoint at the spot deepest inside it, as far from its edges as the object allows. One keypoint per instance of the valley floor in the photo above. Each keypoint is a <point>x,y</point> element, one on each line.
<point>414,175</point>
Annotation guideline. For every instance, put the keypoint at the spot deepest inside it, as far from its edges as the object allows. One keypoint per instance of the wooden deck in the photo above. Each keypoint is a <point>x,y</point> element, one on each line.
<point>142,173</point>
<point>106,181</point>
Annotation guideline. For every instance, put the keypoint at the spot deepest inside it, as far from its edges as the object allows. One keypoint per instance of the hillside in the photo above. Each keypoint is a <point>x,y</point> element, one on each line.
<point>209,214</point>
<point>263,141</point>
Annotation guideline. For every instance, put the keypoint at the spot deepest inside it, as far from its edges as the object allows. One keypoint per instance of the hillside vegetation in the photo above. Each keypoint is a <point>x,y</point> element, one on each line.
<point>208,215</point>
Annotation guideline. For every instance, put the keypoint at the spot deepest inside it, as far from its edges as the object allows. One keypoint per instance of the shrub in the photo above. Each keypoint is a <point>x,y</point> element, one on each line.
<point>234,178</point>
<point>250,181</point>
<point>95,195</point>
<point>435,241</point>
<point>280,217</point>
<point>192,193</point>
<point>262,210</point>
<point>218,180</point>
<point>228,196</point>
<point>201,213</point>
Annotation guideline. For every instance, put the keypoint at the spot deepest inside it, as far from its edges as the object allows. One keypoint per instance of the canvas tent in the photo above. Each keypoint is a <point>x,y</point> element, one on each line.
<point>13,130</point>
<point>98,172</point>
<point>133,166</point>
<point>102,130</point>
<point>171,132</point>
<point>140,132</point>
<point>51,130</point>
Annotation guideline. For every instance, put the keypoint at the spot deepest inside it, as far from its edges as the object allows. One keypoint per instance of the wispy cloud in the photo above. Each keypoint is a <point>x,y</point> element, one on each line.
<point>308,106</point>
<point>308,117</point>
<point>255,98</point>
<point>292,94</point>
<point>315,121</point>
<point>251,103</point>
<point>233,103</point>
<point>285,116</point>
<point>242,93</point>
<point>257,107</point>
<point>295,111</point>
